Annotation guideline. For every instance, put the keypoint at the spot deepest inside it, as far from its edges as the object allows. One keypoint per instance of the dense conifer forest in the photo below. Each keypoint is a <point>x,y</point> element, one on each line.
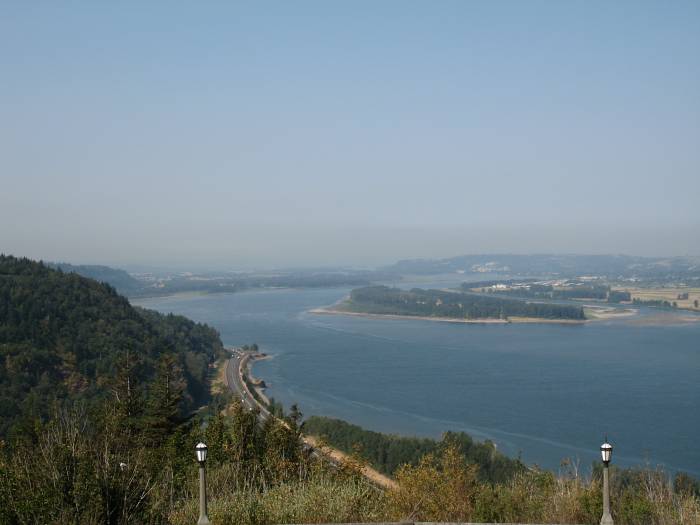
<point>64,337</point>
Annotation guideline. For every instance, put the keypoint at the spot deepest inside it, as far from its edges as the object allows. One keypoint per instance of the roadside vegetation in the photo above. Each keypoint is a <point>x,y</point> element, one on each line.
<point>388,453</point>
<point>109,467</point>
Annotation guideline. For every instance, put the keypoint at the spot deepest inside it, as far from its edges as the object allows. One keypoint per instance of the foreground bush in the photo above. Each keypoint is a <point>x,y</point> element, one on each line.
<point>445,488</point>
<point>85,469</point>
<point>320,499</point>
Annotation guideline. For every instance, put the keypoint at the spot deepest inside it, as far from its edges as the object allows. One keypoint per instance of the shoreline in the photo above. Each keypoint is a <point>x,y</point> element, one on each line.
<point>329,310</point>
<point>607,313</point>
<point>257,383</point>
<point>198,293</point>
<point>188,293</point>
<point>333,454</point>
<point>628,316</point>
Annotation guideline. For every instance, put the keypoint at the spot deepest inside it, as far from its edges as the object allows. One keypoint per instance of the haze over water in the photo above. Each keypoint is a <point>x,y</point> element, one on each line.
<point>540,390</point>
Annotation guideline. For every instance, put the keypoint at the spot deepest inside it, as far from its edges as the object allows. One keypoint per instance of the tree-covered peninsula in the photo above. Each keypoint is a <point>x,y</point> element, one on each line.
<point>384,300</point>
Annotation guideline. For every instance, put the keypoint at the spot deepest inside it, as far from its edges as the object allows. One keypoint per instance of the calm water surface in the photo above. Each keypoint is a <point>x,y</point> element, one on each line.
<point>543,391</point>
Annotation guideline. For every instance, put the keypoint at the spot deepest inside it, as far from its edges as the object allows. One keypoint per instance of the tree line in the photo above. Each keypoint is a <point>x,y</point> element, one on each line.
<point>530,290</point>
<point>388,452</point>
<point>458,305</point>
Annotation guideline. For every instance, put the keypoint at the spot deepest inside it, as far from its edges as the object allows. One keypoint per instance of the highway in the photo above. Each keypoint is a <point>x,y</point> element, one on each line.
<point>234,377</point>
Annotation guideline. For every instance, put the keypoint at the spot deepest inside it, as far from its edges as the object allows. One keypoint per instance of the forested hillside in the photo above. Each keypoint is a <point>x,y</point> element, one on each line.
<point>438,303</point>
<point>124,283</point>
<point>66,337</point>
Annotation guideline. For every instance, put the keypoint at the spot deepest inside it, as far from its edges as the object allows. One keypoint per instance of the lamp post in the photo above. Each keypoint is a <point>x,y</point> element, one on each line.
<point>606,453</point>
<point>201,451</point>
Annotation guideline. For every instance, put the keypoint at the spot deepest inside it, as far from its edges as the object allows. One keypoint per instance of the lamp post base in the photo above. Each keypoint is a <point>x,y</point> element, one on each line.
<point>203,519</point>
<point>607,518</point>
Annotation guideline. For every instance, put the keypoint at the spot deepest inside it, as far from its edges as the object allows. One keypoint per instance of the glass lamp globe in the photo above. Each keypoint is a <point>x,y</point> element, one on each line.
<point>201,450</point>
<point>606,451</point>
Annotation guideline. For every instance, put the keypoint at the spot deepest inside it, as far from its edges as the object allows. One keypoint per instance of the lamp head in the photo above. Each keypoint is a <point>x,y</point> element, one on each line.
<point>606,451</point>
<point>201,450</point>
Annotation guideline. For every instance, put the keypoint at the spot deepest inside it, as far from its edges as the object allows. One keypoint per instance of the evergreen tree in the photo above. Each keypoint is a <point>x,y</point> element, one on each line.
<point>165,393</point>
<point>218,440</point>
<point>126,392</point>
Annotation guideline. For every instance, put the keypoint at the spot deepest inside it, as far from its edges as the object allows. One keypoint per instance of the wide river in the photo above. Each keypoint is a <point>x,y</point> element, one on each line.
<point>543,391</point>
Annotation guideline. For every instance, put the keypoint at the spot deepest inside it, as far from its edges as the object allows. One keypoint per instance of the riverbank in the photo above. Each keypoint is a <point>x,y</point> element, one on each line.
<point>134,299</point>
<point>330,310</point>
<point>633,317</point>
<point>336,456</point>
<point>258,385</point>
<point>605,313</point>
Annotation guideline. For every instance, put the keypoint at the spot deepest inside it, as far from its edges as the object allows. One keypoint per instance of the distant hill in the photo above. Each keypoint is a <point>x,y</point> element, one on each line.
<point>124,283</point>
<point>67,337</point>
<point>184,282</point>
<point>610,266</point>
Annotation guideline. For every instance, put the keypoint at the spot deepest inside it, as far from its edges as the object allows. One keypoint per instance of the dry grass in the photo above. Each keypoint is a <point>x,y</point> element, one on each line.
<point>441,488</point>
<point>337,456</point>
<point>219,384</point>
<point>319,498</point>
<point>666,294</point>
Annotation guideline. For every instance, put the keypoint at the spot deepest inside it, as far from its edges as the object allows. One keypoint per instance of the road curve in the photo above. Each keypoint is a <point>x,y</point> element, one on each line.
<point>235,368</point>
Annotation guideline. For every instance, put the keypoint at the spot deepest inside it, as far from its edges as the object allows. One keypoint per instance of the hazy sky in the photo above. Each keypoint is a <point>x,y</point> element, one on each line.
<point>277,133</point>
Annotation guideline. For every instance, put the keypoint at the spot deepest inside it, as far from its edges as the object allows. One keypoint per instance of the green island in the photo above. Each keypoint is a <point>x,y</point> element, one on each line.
<point>102,405</point>
<point>451,305</point>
